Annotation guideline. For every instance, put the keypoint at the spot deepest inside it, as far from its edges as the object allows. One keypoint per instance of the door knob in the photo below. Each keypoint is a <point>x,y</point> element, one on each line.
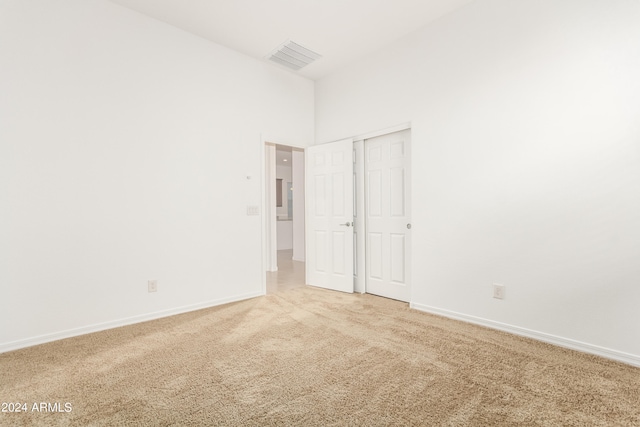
<point>409,226</point>
<point>346,224</point>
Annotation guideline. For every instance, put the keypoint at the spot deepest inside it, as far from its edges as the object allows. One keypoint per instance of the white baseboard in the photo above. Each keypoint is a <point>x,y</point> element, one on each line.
<point>42,339</point>
<point>619,356</point>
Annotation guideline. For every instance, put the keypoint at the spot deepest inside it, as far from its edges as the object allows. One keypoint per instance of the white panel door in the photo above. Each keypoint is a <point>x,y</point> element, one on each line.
<point>329,225</point>
<point>388,222</point>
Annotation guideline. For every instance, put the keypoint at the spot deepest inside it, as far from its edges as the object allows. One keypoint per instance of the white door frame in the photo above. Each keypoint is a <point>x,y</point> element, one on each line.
<point>271,250</point>
<point>359,229</point>
<point>385,131</point>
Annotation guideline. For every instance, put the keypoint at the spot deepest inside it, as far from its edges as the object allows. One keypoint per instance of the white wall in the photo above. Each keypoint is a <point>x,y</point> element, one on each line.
<point>285,234</point>
<point>284,228</point>
<point>283,173</point>
<point>526,163</point>
<point>120,139</point>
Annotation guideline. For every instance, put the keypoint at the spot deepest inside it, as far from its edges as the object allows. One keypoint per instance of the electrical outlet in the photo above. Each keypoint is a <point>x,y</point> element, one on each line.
<point>498,291</point>
<point>152,285</point>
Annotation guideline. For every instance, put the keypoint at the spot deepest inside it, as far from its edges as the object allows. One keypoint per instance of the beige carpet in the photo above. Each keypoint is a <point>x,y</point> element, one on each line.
<point>310,357</point>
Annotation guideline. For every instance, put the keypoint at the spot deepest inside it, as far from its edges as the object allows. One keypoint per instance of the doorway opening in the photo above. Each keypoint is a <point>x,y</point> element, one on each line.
<point>285,217</point>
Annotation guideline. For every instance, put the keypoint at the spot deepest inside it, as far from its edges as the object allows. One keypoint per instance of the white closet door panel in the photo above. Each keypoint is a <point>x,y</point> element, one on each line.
<point>329,196</point>
<point>387,199</point>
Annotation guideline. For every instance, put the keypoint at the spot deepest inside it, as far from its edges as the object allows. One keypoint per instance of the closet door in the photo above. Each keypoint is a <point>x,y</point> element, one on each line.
<point>329,220</point>
<point>388,222</point>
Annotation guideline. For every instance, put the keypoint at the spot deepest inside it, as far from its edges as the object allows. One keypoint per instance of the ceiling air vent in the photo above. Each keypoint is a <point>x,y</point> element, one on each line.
<point>292,55</point>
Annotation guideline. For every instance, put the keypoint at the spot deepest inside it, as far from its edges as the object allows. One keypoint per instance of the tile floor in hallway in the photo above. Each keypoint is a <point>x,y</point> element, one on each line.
<point>290,273</point>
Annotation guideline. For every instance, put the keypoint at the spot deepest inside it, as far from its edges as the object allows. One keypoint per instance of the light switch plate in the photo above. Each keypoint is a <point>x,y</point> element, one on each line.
<point>152,286</point>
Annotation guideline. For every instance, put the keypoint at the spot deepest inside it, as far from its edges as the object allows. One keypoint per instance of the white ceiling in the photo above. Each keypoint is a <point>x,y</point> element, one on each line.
<point>284,155</point>
<point>340,30</point>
